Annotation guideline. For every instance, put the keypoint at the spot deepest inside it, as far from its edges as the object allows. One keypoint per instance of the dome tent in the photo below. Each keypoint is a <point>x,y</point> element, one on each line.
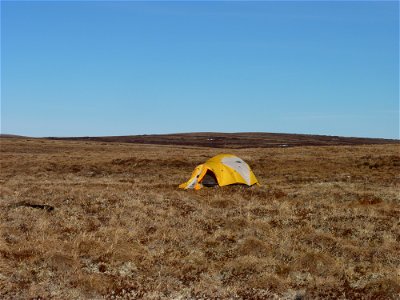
<point>223,169</point>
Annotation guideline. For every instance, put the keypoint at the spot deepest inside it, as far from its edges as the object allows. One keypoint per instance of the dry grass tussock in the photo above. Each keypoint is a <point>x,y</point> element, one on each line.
<point>97,220</point>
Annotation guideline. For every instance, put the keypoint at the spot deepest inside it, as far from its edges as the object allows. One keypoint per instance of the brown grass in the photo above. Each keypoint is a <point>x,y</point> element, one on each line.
<point>324,224</point>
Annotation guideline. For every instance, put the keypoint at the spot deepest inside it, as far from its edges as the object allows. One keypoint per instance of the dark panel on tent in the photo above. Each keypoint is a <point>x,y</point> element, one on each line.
<point>209,179</point>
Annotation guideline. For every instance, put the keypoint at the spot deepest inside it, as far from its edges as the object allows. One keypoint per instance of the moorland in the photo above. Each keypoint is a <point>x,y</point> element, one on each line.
<point>82,219</point>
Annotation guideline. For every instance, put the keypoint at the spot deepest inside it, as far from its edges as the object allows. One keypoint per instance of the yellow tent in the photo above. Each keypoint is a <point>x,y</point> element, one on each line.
<point>223,169</point>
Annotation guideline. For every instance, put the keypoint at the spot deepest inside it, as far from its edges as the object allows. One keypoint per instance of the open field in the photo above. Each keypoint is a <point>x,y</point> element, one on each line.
<point>82,219</point>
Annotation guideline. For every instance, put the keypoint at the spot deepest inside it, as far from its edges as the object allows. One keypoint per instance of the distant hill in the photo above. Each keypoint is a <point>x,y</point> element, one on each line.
<point>236,140</point>
<point>12,136</point>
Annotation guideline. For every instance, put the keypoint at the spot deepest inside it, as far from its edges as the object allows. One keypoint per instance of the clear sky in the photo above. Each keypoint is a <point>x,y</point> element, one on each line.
<point>120,68</point>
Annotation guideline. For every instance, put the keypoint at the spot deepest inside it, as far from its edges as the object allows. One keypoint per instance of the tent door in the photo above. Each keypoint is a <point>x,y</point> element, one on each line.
<point>209,179</point>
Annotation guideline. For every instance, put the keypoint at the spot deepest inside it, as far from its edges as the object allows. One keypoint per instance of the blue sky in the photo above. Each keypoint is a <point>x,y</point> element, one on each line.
<point>120,68</point>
